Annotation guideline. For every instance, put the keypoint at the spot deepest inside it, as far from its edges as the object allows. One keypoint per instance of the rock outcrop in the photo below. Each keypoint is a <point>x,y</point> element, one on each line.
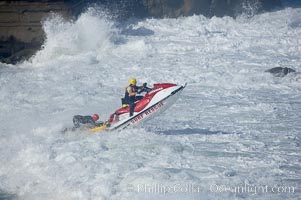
<point>176,8</point>
<point>21,31</point>
<point>280,71</point>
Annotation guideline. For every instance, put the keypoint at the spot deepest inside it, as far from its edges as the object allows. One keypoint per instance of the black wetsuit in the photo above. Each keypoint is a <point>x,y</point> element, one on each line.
<point>78,119</point>
<point>131,99</point>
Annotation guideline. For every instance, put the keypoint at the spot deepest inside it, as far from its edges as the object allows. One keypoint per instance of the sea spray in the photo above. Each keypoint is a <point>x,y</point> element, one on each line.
<point>91,32</point>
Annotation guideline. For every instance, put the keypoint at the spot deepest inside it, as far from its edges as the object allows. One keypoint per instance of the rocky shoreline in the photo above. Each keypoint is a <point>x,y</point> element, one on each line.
<point>21,33</point>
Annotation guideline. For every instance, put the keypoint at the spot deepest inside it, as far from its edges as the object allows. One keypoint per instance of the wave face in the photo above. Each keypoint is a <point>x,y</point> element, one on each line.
<point>234,126</point>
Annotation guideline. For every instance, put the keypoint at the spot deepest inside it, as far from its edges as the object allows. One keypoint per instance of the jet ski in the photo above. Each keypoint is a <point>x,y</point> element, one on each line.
<point>156,100</point>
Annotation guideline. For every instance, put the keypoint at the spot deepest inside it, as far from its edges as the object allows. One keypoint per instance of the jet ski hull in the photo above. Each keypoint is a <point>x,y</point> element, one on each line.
<point>161,101</point>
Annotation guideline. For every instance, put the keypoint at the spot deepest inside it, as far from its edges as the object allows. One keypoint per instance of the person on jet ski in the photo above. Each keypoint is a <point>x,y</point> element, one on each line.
<point>130,94</point>
<point>89,120</point>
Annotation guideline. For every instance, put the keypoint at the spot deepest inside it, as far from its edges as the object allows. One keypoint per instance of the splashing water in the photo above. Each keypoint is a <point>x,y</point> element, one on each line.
<point>234,126</point>
<point>250,8</point>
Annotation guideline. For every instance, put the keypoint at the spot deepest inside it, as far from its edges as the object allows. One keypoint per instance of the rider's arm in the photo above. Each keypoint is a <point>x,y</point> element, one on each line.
<point>90,120</point>
<point>95,123</point>
<point>143,88</point>
<point>99,123</point>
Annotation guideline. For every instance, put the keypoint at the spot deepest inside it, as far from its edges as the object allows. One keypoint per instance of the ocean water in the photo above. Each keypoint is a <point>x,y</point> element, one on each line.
<point>233,134</point>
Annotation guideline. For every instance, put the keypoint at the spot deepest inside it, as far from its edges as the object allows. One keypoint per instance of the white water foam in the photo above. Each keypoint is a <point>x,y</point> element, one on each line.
<point>234,125</point>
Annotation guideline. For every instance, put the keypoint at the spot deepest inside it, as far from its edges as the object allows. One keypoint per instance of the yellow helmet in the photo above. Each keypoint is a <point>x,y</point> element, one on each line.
<point>133,81</point>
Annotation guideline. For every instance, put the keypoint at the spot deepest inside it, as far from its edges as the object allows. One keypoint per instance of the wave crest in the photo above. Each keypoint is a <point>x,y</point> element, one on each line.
<point>90,32</point>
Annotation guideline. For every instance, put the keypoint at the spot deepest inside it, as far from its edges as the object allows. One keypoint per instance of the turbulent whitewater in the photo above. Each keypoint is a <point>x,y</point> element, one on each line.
<point>233,134</point>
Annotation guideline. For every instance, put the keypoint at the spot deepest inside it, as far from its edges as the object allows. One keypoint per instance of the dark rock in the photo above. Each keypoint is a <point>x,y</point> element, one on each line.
<point>209,8</point>
<point>13,50</point>
<point>7,196</point>
<point>280,71</point>
<point>21,33</point>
